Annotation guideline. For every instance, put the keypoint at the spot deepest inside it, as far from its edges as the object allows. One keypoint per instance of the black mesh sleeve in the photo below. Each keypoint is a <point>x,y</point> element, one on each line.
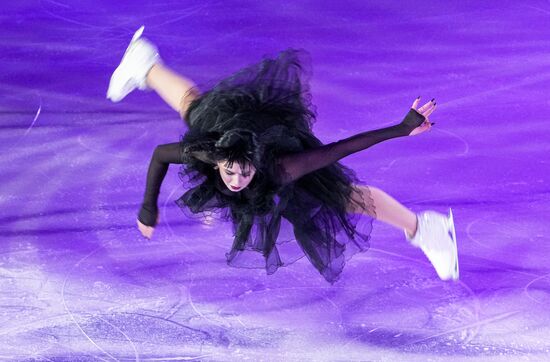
<point>162,157</point>
<point>296,165</point>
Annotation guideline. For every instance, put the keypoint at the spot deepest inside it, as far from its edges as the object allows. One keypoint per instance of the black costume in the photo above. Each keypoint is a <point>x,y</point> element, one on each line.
<point>297,177</point>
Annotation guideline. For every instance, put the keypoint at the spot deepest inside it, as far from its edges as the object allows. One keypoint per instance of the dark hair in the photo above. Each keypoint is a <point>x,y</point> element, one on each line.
<point>238,145</point>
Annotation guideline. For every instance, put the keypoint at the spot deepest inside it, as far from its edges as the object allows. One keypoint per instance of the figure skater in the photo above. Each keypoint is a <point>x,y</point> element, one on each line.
<point>250,154</point>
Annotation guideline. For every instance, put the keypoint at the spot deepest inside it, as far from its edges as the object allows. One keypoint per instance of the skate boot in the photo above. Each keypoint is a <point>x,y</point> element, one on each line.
<point>139,58</point>
<point>435,235</point>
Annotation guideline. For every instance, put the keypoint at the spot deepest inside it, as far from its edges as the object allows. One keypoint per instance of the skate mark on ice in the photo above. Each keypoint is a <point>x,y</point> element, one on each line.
<point>71,315</point>
<point>476,310</point>
<point>537,9</point>
<point>165,221</point>
<point>225,324</point>
<point>187,12</point>
<point>101,152</point>
<point>461,328</point>
<point>508,267</point>
<point>199,331</point>
<point>136,354</point>
<point>416,260</point>
<point>469,234</point>
<point>69,20</point>
<point>386,168</point>
<point>466,144</point>
<point>35,118</point>
<point>528,285</point>
<point>57,3</point>
<point>172,311</point>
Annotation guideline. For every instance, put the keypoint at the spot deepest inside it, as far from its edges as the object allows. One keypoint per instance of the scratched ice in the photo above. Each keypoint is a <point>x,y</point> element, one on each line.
<point>78,283</point>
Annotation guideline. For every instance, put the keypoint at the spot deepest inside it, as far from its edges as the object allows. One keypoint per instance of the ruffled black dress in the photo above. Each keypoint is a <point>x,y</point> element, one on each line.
<point>300,185</point>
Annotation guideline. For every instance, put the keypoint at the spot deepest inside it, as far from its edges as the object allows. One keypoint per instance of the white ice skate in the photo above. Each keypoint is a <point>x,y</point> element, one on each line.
<point>139,58</point>
<point>436,236</point>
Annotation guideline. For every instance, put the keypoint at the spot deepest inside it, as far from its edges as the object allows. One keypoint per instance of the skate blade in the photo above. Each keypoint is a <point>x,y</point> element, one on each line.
<point>138,33</point>
<point>455,274</point>
<point>136,36</point>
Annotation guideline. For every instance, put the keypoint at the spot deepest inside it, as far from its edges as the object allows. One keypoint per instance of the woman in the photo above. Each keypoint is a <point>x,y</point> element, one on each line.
<point>250,153</point>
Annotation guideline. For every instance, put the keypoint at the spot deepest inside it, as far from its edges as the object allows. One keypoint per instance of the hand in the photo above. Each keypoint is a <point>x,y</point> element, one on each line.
<point>425,110</point>
<point>145,230</point>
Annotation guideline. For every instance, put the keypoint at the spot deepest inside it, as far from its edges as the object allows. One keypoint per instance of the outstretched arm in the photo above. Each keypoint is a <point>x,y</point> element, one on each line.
<point>297,165</point>
<point>162,157</point>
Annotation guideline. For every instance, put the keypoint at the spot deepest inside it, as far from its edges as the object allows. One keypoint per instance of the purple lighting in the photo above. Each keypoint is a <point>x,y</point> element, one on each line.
<point>78,282</point>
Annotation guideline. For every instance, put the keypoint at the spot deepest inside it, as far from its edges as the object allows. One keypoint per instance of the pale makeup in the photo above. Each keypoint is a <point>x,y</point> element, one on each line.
<point>234,177</point>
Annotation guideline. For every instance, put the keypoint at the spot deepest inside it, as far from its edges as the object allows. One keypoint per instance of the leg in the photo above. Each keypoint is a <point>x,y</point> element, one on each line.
<point>386,209</point>
<point>141,67</point>
<point>432,232</point>
<point>173,88</point>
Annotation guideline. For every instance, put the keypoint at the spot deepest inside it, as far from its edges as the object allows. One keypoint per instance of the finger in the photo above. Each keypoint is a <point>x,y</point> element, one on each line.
<point>426,106</point>
<point>144,232</point>
<point>429,111</point>
<point>148,233</point>
<point>415,103</point>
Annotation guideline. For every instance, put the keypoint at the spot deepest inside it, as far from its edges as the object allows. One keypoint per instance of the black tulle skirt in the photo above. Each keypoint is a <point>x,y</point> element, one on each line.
<point>273,224</point>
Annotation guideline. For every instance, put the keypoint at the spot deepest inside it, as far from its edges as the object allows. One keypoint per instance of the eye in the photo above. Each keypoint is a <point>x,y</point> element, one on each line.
<point>246,175</point>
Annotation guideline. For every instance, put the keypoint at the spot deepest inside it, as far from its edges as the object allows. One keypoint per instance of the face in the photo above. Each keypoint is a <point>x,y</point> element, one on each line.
<point>235,178</point>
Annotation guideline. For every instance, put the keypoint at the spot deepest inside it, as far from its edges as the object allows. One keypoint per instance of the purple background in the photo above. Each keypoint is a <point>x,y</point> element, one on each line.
<point>78,282</point>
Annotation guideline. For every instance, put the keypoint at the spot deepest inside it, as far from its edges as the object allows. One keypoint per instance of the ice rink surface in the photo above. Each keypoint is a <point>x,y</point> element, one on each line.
<point>79,283</point>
